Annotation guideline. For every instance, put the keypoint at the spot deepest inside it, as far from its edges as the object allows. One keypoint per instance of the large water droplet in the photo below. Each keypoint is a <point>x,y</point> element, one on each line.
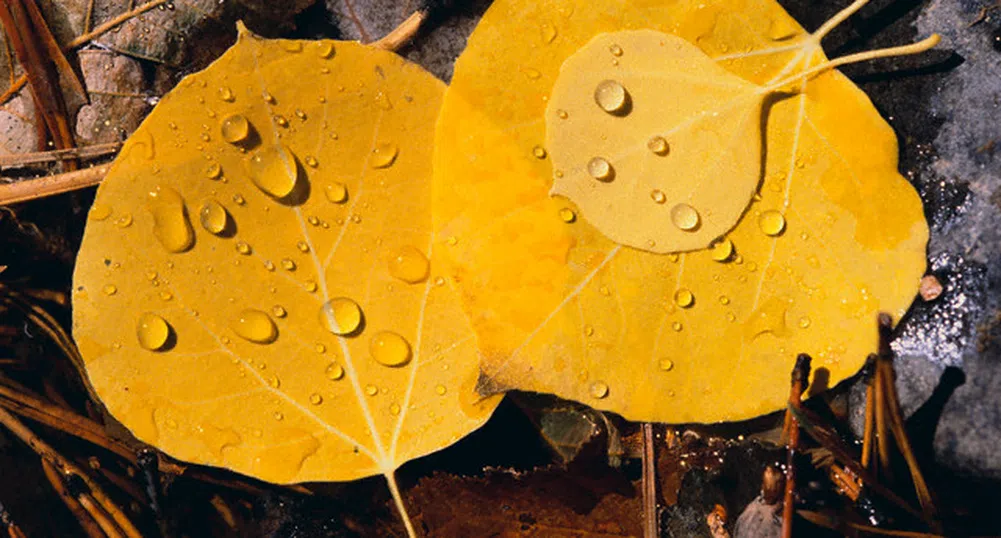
<point>152,331</point>
<point>684,298</point>
<point>685,217</point>
<point>336,193</point>
<point>772,223</point>
<point>274,170</point>
<point>334,371</point>
<point>658,145</point>
<point>383,155</point>
<point>340,315</point>
<point>213,216</point>
<point>389,349</point>
<point>235,129</point>
<point>600,169</point>
<point>255,326</point>
<point>611,96</point>
<point>409,265</point>
<point>722,250</point>
<point>170,220</point>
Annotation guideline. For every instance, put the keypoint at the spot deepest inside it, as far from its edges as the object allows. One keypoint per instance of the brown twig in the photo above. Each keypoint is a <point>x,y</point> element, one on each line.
<point>800,379</point>
<point>8,524</point>
<point>651,527</point>
<point>403,33</point>
<point>870,412</point>
<point>32,189</point>
<point>90,527</point>
<point>86,152</point>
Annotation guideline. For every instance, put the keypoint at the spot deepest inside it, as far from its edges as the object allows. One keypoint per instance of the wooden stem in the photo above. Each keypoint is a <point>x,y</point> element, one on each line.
<point>800,379</point>
<point>651,527</point>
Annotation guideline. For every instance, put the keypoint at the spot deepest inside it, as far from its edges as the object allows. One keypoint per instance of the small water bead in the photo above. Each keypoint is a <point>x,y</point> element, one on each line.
<point>238,199</point>
<point>539,152</point>
<point>302,246</point>
<point>567,215</point>
<point>772,223</point>
<point>268,98</point>
<point>336,193</point>
<point>110,289</point>
<point>666,364</point>
<point>281,121</point>
<point>255,326</point>
<point>152,331</point>
<point>324,49</point>
<point>615,50</point>
<point>166,295</point>
<point>394,409</point>
<point>685,217</point>
<point>226,94</point>
<point>274,382</point>
<point>243,248</point>
<point>213,216</point>
<point>213,171</point>
<point>313,220</point>
<point>340,315</point>
<point>390,349</point>
<point>311,161</point>
<point>658,145</point>
<point>124,221</point>
<point>383,155</point>
<point>676,326</point>
<point>288,264</point>
<point>722,250</point>
<point>598,389</point>
<point>311,286</point>
<point>371,390</point>
<point>235,129</point>
<point>611,96</point>
<point>562,114</point>
<point>274,170</point>
<point>440,390</point>
<point>315,399</point>
<point>334,371</point>
<point>440,281</point>
<point>804,322</point>
<point>684,298</point>
<point>731,317</point>
<point>279,311</point>
<point>269,265</point>
<point>170,220</point>
<point>279,416</point>
<point>658,196</point>
<point>600,169</point>
<point>320,348</point>
<point>724,300</point>
<point>99,212</point>
<point>409,265</point>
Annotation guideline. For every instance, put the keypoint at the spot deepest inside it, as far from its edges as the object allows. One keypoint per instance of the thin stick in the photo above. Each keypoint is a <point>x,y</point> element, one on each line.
<point>800,379</point>
<point>882,430</point>
<point>23,191</point>
<point>86,152</point>
<point>403,33</point>
<point>651,525</point>
<point>394,490</point>
<point>870,411</point>
<point>90,527</point>
<point>102,518</point>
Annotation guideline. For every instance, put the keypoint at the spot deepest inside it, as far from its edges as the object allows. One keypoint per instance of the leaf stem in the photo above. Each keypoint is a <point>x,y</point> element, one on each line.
<point>394,489</point>
<point>903,50</point>
<point>837,19</point>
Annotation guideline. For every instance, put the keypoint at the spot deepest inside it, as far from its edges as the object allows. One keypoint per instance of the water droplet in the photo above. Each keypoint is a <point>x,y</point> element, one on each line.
<point>394,409</point>
<point>268,98</point>
<point>383,155</point>
<point>539,152</point>
<point>226,94</point>
<point>166,295</point>
<point>274,170</point>
<point>255,326</point>
<point>532,74</point>
<point>279,416</point>
<point>371,390</point>
<point>723,299</point>
<point>684,298</point>
<point>389,349</point>
<point>676,326</point>
<point>804,322</point>
<point>615,50</point>
<point>238,199</point>
<point>440,281</point>
<point>336,193</point>
<point>666,364</point>
<point>440,390</point>
<point>588,330</point>
<point>598,390</point>
<point>685,217</point>
<point>269,265</point>
<point>611,96</point>
<point>658,196</point>
<point>340,315</point>
<point>567,215</point>
<point>311,161</point>
<point>170,220</point>
<point>99,212</point>
<point>311,286</point>
<point>213,216</point>
<point>243,248</point>
<point>213,171</point>
<point>772,223</point>
<point>600,169</point>
<point>279,311</point>
<point>548,32</point>
<point>334,371</point>
<point>324,49</point>
<point>124,221</point>
<point>288,264</point>
<point>281,121</point>
<point>562,114</point>
<point>274,382</point>
<point>658,145</point>
<point>152,331</point>
<point>315,399</point>
<point>722,250</point>
<point>383,102</point>
<point>235,129</point>
<point>320,348</point>
<point>110,289</point>
<point>409,265</point>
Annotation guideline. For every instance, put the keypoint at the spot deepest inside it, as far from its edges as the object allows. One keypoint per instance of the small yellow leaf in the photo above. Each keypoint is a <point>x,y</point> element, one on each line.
<point>564,305</point>
<point>275,309</point>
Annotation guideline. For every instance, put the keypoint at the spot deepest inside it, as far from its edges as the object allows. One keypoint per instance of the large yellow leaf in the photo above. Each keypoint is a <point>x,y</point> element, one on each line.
<point>254,291</point>
<point>833,236</point>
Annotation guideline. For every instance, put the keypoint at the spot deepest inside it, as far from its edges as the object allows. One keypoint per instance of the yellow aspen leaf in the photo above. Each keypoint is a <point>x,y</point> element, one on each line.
<point>268,234</point>
<point>561,304</point>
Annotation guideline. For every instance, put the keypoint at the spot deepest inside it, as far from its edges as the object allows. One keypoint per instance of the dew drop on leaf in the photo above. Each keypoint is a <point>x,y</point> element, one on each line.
<point>598,389</point>
<point>409,265</point>
<point>722,250</point>
<point>235,129</point>
<point>772,222</point>
<point>213,171</point>
<point>611,96</point>
<point>567,215</point>
<point>685,217</point>
<point>336,193</point>
<point>334,371</point>
<point>384,155</point>
<point>600,169</point>
<point>665,364</point>
<point>658,196</point>
<point>110,289</point>
<point>390,349</point>
<point>340,315</point>
<point>170,219</point>
<point>274,170</point>
<point>213,216</point>
<point>684,298</point>
<point>279,311</point>
<point>658,145</point>
<point>152,331</point>
<point>255,326</point>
